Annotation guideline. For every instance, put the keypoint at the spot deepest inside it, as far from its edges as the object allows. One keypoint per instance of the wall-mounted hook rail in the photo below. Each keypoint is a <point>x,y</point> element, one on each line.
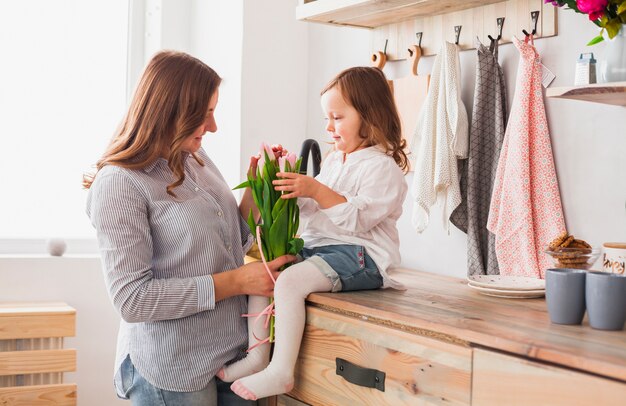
<point>457,33</point>
<point>500,22</point>
<point>477,21</point>
<point>534,16</point>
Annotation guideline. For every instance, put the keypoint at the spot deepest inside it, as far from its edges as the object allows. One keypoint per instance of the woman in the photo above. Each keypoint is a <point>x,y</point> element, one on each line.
<point>172,241</point>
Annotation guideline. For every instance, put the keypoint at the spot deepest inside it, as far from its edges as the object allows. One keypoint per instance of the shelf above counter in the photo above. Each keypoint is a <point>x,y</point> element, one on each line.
<point>605,93</point>
<point>376,13</point>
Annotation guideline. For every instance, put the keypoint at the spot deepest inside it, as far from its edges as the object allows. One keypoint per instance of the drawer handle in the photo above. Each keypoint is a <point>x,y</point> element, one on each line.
<point>367,377</point>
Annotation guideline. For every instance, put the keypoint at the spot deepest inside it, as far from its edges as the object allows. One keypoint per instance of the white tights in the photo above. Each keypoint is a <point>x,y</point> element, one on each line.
<point>292,287</point>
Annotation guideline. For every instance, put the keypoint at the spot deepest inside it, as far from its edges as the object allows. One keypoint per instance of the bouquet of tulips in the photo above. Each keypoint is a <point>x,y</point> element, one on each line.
<point>276,231</point>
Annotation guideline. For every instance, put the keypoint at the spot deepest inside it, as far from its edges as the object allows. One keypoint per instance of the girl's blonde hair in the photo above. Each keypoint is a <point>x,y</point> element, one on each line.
<point>366,89</point>
<point>170,103</point>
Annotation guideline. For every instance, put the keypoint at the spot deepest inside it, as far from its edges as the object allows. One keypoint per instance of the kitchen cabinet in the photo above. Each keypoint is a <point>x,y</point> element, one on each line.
<point>440,342</point>
<point>605,93</point>
<point>500,379</point>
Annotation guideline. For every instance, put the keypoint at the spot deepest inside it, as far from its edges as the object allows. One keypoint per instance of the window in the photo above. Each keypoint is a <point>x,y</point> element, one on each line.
<point>62,94</point>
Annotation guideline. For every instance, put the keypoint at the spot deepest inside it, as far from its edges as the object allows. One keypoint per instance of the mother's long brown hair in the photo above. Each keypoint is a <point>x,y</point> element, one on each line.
<point>366,89</point>
<point>170,103</point>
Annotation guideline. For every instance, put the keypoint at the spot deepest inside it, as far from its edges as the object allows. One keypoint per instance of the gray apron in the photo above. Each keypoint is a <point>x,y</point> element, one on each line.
<point>477,173</point>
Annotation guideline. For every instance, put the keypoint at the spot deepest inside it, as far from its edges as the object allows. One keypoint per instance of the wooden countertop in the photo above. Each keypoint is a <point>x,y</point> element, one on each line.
<point>446,308</point>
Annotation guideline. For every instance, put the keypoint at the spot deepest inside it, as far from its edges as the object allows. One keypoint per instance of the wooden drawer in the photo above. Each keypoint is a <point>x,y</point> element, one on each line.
<point>418,370</point>
<point>505,380</point>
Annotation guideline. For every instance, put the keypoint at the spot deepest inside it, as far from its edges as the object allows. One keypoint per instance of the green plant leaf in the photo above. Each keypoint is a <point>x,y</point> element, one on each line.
<point>621,8</point>
<point>613,27</point>
<point>252,223</point>
<point>298,162</point>
<point>278,207</point>
<point>266,215</point>
<point>242,185</point>
<point>596,40</point>
<point>278,234</point>
<point>295,246</point>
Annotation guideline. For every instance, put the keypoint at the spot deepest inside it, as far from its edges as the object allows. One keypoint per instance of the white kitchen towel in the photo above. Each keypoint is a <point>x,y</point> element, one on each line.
<point>440,138</point>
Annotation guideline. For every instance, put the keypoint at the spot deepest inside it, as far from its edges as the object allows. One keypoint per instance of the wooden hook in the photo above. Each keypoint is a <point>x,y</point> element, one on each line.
<point>415,52</point>
<point>379,59</point>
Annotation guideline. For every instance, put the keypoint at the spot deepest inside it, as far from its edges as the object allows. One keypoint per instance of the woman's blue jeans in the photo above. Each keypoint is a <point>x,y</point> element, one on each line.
<point>142,393</point>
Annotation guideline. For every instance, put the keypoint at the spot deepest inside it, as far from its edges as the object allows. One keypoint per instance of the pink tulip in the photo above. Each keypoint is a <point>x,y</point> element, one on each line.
<point>261,164</point>
<point>292,158</point>
<point>595,8</point>
<point>268,150</point>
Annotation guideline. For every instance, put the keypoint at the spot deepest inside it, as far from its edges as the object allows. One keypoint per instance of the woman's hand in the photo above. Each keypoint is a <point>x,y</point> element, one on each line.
<point>254,279</point>
<point>250,279</point>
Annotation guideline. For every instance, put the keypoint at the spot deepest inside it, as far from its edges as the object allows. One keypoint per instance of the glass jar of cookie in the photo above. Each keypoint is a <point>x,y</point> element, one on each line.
<point>570,252</point>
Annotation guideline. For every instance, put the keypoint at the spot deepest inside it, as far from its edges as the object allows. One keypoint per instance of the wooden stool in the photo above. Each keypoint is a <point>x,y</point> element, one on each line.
<point>32,358</point>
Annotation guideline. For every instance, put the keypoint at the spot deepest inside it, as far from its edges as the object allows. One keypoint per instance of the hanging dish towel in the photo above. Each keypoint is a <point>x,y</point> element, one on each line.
<point>526,211</point>
<point>440,138</point>
<point>478,172</point>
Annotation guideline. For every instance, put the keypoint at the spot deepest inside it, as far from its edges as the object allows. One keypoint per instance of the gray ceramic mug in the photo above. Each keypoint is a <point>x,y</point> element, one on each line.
<point>565,295</point>
<point>606,300</point>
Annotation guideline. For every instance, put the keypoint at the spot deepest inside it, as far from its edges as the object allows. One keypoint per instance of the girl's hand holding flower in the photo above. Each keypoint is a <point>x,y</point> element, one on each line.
<point>296,185</point>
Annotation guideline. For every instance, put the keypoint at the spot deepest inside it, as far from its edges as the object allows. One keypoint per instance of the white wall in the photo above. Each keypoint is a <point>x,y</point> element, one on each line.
<point>588,139</point>
<point>274,77</point>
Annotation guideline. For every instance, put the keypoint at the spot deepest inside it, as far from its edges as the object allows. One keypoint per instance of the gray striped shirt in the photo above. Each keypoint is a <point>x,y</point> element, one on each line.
<point>158,254</point>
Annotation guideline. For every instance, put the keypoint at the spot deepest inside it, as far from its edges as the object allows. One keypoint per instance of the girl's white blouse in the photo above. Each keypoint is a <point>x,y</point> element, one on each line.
<point>375,189</point>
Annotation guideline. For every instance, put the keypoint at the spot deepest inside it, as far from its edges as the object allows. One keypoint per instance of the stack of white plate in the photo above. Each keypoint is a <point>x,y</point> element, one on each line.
<point>512,287</point>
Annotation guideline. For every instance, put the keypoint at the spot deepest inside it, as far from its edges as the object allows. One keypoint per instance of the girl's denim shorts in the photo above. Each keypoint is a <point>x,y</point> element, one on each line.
<point>347,266</point>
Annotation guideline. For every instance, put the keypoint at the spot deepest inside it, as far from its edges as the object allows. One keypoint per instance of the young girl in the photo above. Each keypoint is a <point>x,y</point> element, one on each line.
<point>349,214</point>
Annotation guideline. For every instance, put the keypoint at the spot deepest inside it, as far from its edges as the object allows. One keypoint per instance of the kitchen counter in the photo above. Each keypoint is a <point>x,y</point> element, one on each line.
<point>441,342</point>
<point>445,308</point>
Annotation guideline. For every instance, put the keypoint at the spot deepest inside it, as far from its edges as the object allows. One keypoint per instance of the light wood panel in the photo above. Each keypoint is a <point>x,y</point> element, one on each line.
<point>479,21</point>
<point>504,380</point>
<point>447,309</point>
<point>374,13</point>
<point>34,362</point>
<point>605,93</point>
<point>37,325</point>
<point>42,395</point>
<point>36,320</point>
<point>418,370</point>
<point>31,344</point>
<point>410,94</point>
<point>284,400</point>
